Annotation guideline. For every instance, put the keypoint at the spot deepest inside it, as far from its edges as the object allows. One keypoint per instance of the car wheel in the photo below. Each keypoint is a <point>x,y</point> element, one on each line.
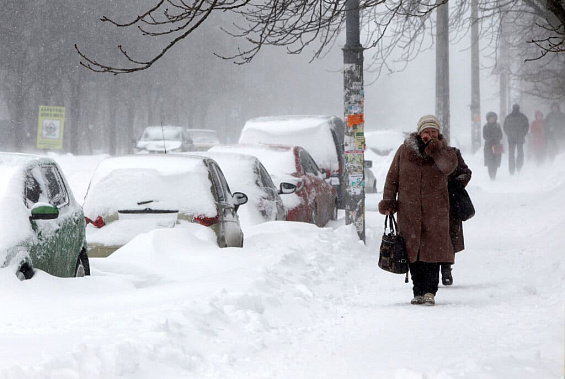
<point>314,215</point>
<point>83,265</point>
<point>25,272</point>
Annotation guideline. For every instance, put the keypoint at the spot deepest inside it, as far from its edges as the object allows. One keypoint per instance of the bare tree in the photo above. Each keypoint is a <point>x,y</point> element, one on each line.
<point>294,25</point>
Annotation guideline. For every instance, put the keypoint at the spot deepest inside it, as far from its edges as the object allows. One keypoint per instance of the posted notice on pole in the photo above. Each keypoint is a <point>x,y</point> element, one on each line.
<point>50,127</point>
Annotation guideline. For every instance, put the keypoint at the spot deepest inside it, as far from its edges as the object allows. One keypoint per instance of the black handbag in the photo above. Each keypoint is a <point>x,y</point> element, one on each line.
<point>393,256</point>
<point>460,204</point>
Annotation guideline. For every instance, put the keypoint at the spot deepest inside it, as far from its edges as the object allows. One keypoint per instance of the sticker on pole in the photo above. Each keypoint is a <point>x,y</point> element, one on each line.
<point>354,120</point>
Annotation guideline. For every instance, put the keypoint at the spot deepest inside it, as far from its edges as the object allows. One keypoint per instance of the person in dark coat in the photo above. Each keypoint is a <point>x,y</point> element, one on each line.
<point>492,134</point>
<point>459,178</point>
<point>416,188</point>
<point>554,130</point>
<point>516,127</point>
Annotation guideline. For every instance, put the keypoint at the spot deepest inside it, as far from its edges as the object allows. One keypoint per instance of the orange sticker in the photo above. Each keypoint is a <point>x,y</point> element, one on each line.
<point>354,119</point>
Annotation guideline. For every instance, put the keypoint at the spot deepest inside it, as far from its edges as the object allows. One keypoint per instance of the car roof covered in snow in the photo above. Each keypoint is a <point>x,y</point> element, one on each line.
<point>313,133</point>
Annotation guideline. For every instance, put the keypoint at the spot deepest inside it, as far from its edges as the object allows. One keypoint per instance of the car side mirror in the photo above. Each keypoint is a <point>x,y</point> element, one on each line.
<point>239,198</point>
<point>44,211</point>
<point>368,164</point>
<point>286,188</point>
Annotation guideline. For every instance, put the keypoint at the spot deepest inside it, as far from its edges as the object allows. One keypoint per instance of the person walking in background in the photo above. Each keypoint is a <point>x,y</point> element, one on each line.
<point>538,138</point>
<point>416,188</point>
<point>516,127</point>
<point>459,178</point>
<point>492,134</point>
<point>554,130</point>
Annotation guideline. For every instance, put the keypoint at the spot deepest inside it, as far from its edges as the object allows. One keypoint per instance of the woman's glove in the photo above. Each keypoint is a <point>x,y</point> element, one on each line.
<point>390,206</point>
<point>434,146</point>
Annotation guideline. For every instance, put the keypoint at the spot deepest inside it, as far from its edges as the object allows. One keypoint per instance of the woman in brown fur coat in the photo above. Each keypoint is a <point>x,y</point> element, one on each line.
<point>416,188</point>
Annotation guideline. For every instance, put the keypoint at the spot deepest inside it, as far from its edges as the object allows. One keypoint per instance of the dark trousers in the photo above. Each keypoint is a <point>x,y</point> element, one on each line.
<point>515,156</point>
<point>425,277</point>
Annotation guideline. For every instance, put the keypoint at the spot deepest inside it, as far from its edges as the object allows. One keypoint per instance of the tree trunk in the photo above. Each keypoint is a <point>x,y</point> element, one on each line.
<point>112,116</point>
<point>75,104</point>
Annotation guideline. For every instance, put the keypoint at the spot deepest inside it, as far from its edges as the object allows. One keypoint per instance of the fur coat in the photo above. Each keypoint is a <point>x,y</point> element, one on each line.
<point>459,178</point>
<point>416,188</point>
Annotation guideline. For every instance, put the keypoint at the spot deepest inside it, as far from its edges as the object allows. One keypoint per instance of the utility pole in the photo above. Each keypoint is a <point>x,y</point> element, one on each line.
<point>475,79</point>
<point>354,136</point>
<point>442,69</point>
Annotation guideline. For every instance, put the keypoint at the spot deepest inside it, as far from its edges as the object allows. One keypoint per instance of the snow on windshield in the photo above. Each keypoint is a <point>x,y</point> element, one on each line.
<point>310,132</point>
<point>157,182</point>
<point>277,160</point>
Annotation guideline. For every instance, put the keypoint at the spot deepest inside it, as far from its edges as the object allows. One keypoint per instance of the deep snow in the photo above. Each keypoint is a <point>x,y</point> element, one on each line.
<point>304,302</point>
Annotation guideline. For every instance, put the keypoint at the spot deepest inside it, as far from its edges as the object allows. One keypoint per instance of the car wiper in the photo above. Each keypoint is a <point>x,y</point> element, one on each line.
<point>146,210</point>
<point>145,202</point>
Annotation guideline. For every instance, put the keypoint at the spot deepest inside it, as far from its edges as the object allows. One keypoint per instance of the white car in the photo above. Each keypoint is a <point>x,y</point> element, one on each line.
<point>163,140</point>
<point>247,174</point>
<point>135,194</point>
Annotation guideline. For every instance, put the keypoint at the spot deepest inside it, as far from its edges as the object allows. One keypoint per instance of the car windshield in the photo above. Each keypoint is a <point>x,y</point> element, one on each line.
<point>158,134</point>
<point>204,136</point>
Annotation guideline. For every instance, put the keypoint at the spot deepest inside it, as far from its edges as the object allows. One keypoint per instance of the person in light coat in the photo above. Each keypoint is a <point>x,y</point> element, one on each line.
<point>416,188</point>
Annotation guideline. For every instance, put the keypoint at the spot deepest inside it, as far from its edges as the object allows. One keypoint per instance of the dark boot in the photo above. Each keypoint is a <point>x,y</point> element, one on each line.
<point>446,278</point>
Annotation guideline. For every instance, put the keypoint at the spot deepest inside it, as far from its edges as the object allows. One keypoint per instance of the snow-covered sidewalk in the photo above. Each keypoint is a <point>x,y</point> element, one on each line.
<point>304,302</point>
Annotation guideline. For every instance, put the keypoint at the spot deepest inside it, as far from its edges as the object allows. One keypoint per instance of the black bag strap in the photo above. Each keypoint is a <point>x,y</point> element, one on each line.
<point>392,225</point>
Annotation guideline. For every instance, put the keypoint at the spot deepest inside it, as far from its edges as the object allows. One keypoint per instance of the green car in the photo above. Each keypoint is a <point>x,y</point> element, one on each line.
<point>44,226</point>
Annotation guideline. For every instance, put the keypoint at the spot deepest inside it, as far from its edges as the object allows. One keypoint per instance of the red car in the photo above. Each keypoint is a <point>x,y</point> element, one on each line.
<point>315,200</point>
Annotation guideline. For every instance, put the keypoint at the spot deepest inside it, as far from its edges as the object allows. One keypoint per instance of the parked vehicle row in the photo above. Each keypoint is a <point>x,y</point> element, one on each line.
<point>162,186</point>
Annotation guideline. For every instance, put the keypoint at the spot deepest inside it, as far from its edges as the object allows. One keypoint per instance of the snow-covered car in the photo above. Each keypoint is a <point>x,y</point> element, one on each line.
<point>135,194</point>
<point>203,139</point>
<point>314,199</point>
<point>163,139</point>
<point>43,225</point>
<point>383,142</point>
<point>321,135</point>
<point>370,179</point>
<point>247,173</point>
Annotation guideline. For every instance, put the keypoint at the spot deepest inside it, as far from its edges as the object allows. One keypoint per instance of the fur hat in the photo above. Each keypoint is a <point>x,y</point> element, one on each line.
<point>428,121</point>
